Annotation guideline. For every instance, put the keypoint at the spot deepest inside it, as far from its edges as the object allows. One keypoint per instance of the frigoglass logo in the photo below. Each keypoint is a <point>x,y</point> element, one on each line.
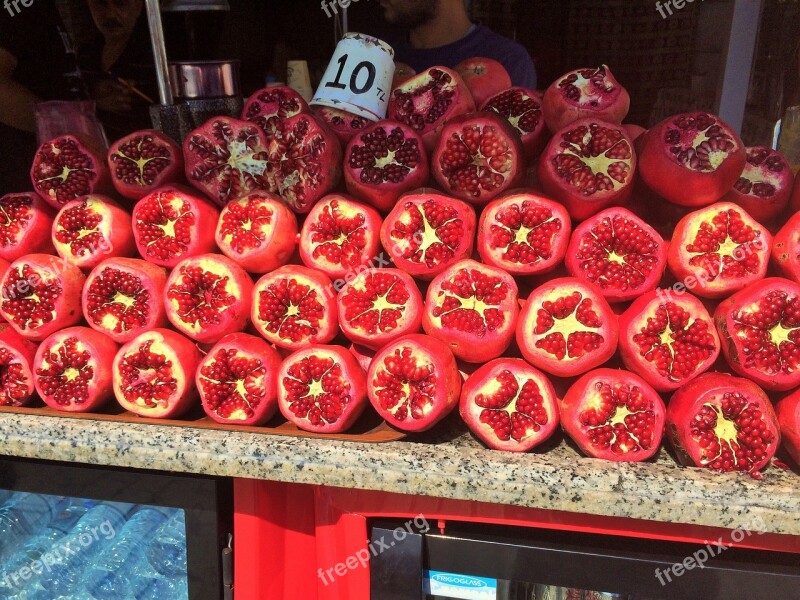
<point>461,580</point>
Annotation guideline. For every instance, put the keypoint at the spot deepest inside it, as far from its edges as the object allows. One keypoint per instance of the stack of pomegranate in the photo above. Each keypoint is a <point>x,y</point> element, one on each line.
<point>522,287</point>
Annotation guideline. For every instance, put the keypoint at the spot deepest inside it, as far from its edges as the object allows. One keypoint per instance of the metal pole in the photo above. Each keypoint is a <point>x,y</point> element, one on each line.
<point>345,21</point>
<point>159,51</point>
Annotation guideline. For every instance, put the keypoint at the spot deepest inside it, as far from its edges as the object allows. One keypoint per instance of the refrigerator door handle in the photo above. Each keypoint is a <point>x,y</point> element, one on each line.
<point>227,569</point>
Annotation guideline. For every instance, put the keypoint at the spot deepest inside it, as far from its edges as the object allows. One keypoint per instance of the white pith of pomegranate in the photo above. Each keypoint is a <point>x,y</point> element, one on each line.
<point>343,124</point>
<point>122,297</point>
<point>293,307</point>
<point>267,107</point>
<point>144,161</point>
<point>484,77</point>
<point>583,93</point>
<point>426,232</point>
<point>509,405</point>
<point>340,236</point>
<point>154,374</point>
<point>16,367</point>
<point>26,222</point>
<point>322,389</point>
<point>237,380</point>
<point>379,306</point>
<point>765,185</point>
<point>523,234</point>
<point>522,108</point>
<point>257,231</point>
<point>413,382</point>
<point>208,296</point>
<point>473,308</point>
<point>619,253</point>
<point>614,415</point>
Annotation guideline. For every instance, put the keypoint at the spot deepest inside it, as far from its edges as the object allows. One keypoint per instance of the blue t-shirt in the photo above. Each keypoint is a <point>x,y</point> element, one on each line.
<point>479,41</point>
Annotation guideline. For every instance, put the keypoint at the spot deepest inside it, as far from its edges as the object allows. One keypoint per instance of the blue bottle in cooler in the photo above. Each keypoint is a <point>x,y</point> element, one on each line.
<point>24,515</point>
<point>167,552</point>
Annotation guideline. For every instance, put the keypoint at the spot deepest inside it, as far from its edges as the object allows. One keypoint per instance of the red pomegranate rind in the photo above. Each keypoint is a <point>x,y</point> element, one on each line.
<point>293,307</point>
<point>478,157</point>
<point>691,159</point>
<point>208,296</point>
<point>522,108</point>
<point>588,166</point>
<point>91,229</point>
<point>759,328</point>
<point>566,328</point>
<point>305,162</point>
<point>509,405</point>
<point>634,131</point>
<point>402,73</point>
<point>523,234</point>
<point>322,389</point>
<point>788,413</point>
<point>614,415</point>
<point>786,249</point>
<point>427,232</point>
<point>384,161</point>
<point>426,101</point>
<point>154,374</point>
<point>16,367</point>
<point>68,167</point>
<point>257,231</point>
<point>41,294</point>
<point>25,225</point>
<point>269,106</point>
<point>379,306</point>
<point>340,236</point>
<point>718,250</point>
<point>413,383</point>
<point>237,380</point>
<point>484,77</point>
<point>765,185</point>
<point>344,124</point>
<point>122,297</point>
<point>722,423</point>
<point>585,93</point>
<point>172,224</point>
<point>668,339</point>
<point>619,253</point>
<point>363,355</point>
<point>226,159</point>
<point>473,308</point>
<point>73,369</point>
<point>144,161</point>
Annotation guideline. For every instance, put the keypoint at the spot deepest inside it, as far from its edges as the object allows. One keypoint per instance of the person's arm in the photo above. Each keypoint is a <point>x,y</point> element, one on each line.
<point>16,101</point>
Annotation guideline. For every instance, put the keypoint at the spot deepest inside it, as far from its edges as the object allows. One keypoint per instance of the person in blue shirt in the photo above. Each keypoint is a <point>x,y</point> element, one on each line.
<point>440,32</point>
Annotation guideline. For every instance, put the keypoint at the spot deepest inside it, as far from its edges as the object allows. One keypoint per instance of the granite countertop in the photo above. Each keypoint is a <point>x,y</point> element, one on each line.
<point>448,463</point>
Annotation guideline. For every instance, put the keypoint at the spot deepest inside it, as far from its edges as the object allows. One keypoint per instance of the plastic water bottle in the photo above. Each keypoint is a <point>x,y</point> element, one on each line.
<point>5,495</point>
<point>167,551</point>
<point>23,515</point>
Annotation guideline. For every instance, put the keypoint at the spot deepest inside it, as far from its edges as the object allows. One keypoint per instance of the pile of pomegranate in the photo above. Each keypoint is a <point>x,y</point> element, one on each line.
<point>562,268</point>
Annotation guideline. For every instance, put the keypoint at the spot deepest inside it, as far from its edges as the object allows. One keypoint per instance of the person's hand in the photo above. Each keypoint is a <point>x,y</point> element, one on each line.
<point>112,96</point>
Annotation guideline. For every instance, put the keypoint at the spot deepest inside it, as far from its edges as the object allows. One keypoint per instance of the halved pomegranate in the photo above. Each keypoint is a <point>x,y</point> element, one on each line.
<point>144,161</point>
<point>786,248</point>
<point>478,156</point>
<point>719,249</point>
<point>765,185</point>
<point>484,77</point>
<point>305,162</point>
<point>172,224</point>
<point>73,369</point>
<point>667,339</point>
<point>723,423</point>
<point>379,306</point>
<point>619,253</point>
<point>473,308</point>
<point>16,367</point>
<point>788,413</point>
<point>384,161</point>
<point>123,297</point>
<point>26,222</point>
<point>238,380</point>
<point>523,233</point>
<point>414,382</point>
<point>759,327</point>
<point>427,232</point>
<point>614,415</point>
<point>267,107</point>
<point>340,235</point>
<point>322,389</point>
<point>691,159</point>
<point>68,167</point>
<point>588,166</point>
<point>154,374</point>
<point>509,405</point>
<point>90,229</point>
<point>40,295</point>
<point>208,296</point>
<point>293,307</point>
<point>226,159</point>
<point>522,108</point>
<point>585,93</point>
<point>258,231</point>
<point>425,102</point>
<point>345,125</point>
<point>566,328</point>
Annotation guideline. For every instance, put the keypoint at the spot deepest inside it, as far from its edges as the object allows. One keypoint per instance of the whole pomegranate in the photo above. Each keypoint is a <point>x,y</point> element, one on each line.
<point>484,77</point>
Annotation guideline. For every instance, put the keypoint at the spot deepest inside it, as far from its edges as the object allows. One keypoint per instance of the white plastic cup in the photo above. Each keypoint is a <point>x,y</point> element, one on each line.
<point>359,77</point>
<point>298,78</point>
